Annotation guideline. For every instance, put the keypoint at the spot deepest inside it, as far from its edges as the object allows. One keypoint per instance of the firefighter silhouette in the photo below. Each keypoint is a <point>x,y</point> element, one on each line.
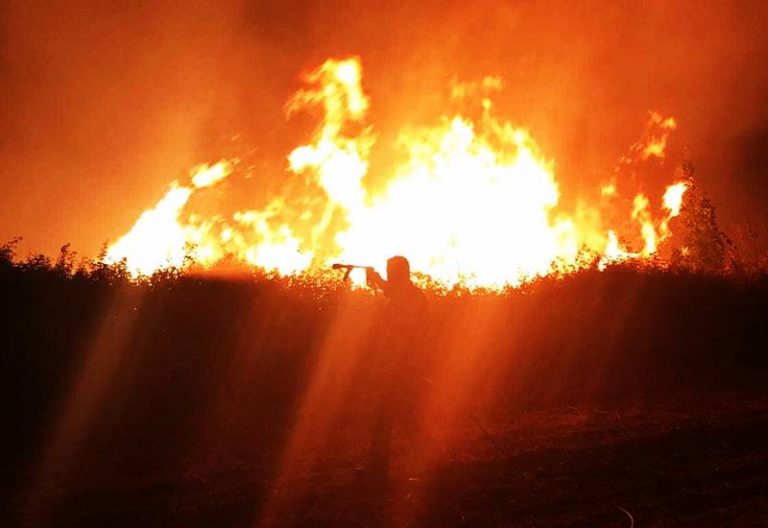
<point>401,364</point>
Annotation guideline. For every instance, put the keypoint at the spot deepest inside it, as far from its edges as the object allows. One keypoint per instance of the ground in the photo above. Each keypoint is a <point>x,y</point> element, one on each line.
<point>629,397</point>
<point>687,463</point>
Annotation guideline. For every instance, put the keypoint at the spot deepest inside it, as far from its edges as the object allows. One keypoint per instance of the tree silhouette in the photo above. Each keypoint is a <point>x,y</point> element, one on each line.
<point>704,246</point>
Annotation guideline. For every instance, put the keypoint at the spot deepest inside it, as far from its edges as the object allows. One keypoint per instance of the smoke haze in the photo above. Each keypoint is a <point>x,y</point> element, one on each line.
<point>104,102</point>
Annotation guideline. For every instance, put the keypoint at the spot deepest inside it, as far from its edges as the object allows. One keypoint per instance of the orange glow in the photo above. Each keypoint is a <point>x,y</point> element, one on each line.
<point>643,217</point>
<point>673,202</point>
<point>657,145</point>
<point>613,251</point>
<point>474,202</point>
<point>608,190</point>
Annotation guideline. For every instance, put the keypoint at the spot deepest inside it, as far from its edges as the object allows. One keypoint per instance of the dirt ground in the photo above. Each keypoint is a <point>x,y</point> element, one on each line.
<point>687,463</point>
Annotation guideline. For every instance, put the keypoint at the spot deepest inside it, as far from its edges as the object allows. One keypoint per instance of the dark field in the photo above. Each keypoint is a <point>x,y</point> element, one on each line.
<point>199,402</point>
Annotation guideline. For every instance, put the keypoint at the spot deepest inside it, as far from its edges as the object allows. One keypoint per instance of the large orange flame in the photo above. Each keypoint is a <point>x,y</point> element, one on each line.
<point>158,240</point>
<point>474,203</point>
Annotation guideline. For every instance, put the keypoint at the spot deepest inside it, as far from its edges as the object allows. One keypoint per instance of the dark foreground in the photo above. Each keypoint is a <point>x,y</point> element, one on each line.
<point>600,400</point>
<point>687,464</point>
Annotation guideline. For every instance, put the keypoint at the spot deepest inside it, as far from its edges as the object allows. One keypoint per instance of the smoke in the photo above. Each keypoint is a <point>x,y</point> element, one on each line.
<point>103,102</point>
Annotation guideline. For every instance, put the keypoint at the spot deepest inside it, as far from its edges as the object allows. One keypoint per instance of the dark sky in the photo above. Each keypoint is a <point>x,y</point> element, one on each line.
<point>103,103</point>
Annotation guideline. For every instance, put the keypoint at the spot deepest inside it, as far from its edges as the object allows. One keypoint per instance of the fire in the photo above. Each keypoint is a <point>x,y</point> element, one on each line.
<point>656,144</point>
<point>158,240</point>
<point>673,198</point>
<point>465,211</point>
<point>475,201</point>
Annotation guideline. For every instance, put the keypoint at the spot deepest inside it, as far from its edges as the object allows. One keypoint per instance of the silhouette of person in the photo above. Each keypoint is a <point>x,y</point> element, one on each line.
<point>401,363</point>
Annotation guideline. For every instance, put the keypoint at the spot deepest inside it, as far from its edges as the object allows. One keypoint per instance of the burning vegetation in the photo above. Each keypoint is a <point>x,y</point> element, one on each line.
<point>471,201</point>
<point>579,343</point>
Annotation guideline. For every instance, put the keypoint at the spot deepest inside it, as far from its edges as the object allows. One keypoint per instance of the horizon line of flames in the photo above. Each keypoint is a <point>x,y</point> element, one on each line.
<point>474,203</point>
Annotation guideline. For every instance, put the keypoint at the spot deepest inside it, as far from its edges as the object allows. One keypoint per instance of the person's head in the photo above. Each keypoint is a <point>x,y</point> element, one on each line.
<point>398,270</point>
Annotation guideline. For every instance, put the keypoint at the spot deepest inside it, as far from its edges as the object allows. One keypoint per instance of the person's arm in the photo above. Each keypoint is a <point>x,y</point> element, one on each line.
<point>374,280</point>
